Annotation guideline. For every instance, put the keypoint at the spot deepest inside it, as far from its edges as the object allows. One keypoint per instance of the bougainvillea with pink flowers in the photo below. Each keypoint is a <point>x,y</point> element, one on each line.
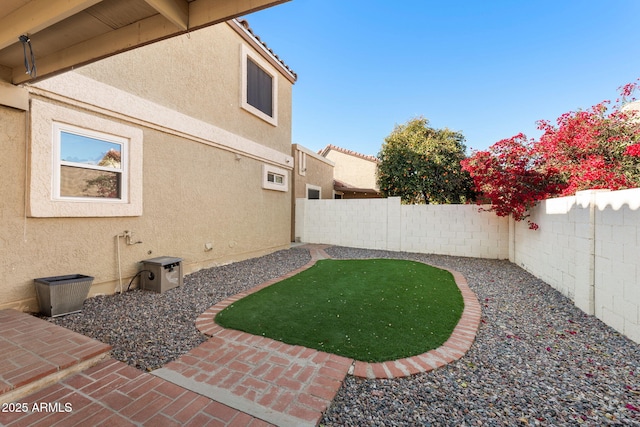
<point>587,149</point>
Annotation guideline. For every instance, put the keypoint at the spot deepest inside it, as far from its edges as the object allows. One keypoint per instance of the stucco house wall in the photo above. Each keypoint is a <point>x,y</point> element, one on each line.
<point>355,169</point>
<point>203,81</point>
<point>198,160</point>
<point>311,170</point>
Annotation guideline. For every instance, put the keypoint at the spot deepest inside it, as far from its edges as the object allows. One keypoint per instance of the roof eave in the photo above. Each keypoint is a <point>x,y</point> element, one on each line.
<point>242,27</point>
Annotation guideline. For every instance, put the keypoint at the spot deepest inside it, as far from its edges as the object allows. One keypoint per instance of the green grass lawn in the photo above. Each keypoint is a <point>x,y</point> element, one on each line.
<point>370,310</point>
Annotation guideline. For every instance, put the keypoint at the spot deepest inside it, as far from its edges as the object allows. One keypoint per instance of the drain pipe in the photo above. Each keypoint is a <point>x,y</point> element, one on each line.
<point>128,235</point>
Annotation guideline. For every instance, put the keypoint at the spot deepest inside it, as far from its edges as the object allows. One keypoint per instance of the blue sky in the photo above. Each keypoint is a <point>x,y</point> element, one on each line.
<point>489,69</point>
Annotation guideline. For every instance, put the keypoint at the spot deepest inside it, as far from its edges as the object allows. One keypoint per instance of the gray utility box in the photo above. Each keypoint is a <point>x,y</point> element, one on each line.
<point>59,295</point>
<point>165,273</point>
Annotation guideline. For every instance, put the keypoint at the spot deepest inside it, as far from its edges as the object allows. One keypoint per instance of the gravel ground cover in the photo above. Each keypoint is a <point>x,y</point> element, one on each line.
<point>148,330</point>
<point>537,359</point>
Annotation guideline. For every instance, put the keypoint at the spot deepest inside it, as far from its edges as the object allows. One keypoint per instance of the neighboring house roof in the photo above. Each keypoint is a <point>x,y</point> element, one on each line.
<point>264,49</point>
<point>343,186</point>
<point>354,172</point>
<point>330,147</point>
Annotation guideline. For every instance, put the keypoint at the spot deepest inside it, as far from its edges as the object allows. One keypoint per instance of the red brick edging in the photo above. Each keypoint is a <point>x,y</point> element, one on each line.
<point>453,349</point>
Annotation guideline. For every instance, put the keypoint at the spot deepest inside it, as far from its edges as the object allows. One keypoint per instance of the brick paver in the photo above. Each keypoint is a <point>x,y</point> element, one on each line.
<point>113,393</point>
<point>283,386</point>
<point>234,378</point>
<point>453,349</point>
<point>33,349</point>
<point>262,374</point>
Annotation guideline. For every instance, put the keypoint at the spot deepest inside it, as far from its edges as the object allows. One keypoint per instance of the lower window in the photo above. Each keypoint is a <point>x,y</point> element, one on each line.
<point>89,164</point>
<point>83,165</point>
<point>275,178</point>
<point>314,192</point>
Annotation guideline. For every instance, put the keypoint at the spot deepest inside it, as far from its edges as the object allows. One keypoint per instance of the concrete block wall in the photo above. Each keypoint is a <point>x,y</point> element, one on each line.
<point>359,223</point>
<point>587,246</point>
<point>460,230</point>
<point>617,260</point>
<point>551,252</point>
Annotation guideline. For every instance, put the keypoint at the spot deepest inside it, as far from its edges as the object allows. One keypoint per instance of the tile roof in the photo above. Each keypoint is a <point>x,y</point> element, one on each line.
<point>330,147</point>
<point>343,186</point>
<point>245,25</point>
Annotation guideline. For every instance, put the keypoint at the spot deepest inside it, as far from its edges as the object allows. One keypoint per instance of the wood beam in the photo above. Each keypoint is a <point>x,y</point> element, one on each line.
<point>14,96</point>
<point>6,74</point>
<point>176,11</point>
<point>37,15</point>
<point>126,38</point>
<point>149,30</point>
<point>201,12</point>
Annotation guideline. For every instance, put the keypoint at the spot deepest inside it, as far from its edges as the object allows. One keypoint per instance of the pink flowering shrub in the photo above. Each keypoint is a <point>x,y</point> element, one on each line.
<point>595,148</point>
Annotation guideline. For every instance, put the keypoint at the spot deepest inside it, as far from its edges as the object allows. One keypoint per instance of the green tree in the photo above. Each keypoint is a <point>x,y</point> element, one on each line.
<point>422,165</point>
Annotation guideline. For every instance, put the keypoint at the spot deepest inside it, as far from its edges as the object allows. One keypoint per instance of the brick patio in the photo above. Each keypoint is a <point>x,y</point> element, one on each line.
<point>113,393</point>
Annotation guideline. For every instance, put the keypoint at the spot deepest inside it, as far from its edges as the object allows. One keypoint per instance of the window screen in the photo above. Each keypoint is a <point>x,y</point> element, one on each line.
<point>90,166</point>
<point>313,194</point>
<point>259,88</point>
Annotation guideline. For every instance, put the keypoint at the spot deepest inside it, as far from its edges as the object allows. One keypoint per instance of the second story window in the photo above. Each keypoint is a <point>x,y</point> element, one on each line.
<point>259,87</point>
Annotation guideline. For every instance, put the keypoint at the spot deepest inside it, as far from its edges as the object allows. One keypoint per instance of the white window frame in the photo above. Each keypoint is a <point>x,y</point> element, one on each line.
<point>246,54</point>
<point>58,128</point>
<point>44,190</point>
<point>276,172</point>
<point>313,187</point>
<point>275,178</point>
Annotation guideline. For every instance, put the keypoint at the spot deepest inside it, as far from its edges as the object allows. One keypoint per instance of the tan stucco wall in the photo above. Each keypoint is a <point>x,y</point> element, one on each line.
<point>319,172</point>
<point>355,171</point>
<point>195,191</point>
<point>194,194</point>
<point>203,80</point>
